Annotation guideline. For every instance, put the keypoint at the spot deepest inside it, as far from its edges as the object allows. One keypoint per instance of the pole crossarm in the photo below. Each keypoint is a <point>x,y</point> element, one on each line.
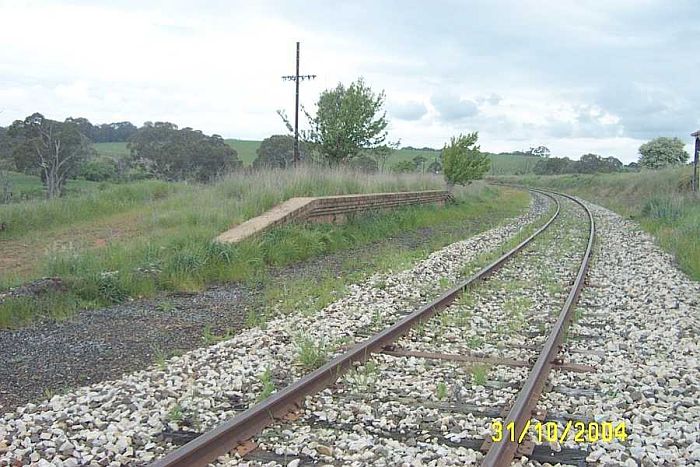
<point>297,78</point>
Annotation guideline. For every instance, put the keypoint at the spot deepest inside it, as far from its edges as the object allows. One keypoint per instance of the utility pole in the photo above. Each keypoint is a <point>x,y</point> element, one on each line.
<point>296,78</point>
<point>695,160</point>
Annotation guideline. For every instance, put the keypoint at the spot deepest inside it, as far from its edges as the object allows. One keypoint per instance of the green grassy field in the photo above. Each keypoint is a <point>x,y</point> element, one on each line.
<point>245,149</point>
<point>135,239</point>
<point>659,200</point>
<point>502,164</point>
<point>115,150</point>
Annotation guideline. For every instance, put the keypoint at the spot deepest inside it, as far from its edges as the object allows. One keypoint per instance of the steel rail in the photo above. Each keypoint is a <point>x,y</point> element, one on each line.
<point>231,433</point>
<point>502,453</point>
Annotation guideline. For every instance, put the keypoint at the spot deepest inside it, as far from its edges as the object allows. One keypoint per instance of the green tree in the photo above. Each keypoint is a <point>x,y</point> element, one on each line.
<point>554,166</point>
<point>364,163</point>
<point>51,149</point>
<point>349,120</point>
<point>172,154</point>
<point>99,169</point>
<point>381,155</point>
<point>6,161</point>
<point>278,151</point>
<point>419,162</point>
<point>435,167</point>
<point>404,167</point>
<point>540,151</point>
<point>661,152</point>
<point>463,161</point>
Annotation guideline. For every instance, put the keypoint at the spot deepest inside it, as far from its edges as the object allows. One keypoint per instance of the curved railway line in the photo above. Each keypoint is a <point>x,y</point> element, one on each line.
<point>404,341</point>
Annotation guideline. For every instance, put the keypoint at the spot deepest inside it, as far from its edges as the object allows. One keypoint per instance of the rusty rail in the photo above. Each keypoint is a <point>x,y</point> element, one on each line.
<point>502,453</point>
<point>224,438</point>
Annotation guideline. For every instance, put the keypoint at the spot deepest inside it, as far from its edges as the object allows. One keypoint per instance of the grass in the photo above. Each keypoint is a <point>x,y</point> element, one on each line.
<point>660,201</point>
<point>209,338</point>
<point>246,149</point>
<point>310,354</point>
<point>176,414</point>
<point>480,374</point>
<point>113,150</point>
<point>25,187</point>
<point>479,208</point>
<point>268,385</point>
<point>169,247</point>
<point>364,376</point>
<point>17,311</point>
<point>441,391</point>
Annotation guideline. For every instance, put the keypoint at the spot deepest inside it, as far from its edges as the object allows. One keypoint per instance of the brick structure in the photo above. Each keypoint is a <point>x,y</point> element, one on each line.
<point>328,209</point>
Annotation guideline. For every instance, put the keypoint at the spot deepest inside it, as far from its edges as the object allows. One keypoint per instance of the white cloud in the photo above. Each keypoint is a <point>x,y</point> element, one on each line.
<point>519,75</point>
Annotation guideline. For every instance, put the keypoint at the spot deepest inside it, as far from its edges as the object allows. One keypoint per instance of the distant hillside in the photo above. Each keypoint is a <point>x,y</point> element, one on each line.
<point>502,164</point>
<point>245,149</point>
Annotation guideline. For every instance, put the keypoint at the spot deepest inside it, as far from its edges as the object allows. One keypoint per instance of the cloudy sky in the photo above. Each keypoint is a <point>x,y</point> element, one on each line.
<point>577,76</point>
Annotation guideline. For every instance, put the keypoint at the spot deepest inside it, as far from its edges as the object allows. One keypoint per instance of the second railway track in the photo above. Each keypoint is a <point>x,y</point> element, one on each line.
<point>430,385</point>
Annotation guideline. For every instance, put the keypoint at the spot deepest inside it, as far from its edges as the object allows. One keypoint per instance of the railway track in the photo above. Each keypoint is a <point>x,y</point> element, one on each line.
<point>406,384</point>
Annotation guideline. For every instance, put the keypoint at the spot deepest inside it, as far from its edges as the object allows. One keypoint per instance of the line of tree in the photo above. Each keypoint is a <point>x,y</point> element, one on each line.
<point>166,152</point>
<point>117,132</point>
<point>655,154</point>
<point>587,164</point>
<point>59,151</point>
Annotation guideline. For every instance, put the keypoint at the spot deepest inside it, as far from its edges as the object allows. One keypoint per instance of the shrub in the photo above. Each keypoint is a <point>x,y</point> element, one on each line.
<point>462,160</point>
<point>98,170</point>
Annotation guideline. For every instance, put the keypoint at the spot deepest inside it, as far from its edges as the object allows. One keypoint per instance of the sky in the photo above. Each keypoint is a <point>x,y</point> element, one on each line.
<point>576,76</point>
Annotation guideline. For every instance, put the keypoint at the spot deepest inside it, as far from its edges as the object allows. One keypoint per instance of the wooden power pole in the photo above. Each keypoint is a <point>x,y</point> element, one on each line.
<point>296,78</point>
<point>695,160</point>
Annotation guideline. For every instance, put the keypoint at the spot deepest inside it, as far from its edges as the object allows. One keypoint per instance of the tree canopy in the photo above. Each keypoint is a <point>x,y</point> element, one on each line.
<point>173,154</point>
<point>50,149</point>
<point>463,161</point>
<point>588,163</point>
<point>106,132</point>
<point>662,152</point>
<point>540,151</point>
<point>349,120</point>
<point>278,151</point>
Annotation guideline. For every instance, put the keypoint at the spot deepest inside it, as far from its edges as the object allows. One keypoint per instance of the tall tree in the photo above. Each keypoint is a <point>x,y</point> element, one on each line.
<point>661,152</point>
<point>540,151</point>
<point>52,149</point>
<point>349,120</point>
<point>420,161</point>
<point>463,161</point>
<point>173,154</point>
<point>278,151</point>
<point>84,126</point>
<point>6,161</point>
<point>554,166</point>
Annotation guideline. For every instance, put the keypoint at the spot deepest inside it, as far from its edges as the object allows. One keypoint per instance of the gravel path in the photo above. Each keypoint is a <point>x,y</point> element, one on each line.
<point>135,419</point>
<point>99,345</point>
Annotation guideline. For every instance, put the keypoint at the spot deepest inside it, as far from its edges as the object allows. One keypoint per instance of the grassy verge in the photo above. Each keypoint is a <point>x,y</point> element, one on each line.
<point>660,201</point>
<point>475,212</point>
<point>174,252</point>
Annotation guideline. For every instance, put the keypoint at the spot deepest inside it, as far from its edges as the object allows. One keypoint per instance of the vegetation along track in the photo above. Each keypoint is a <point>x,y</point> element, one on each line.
<point>415,379</point>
